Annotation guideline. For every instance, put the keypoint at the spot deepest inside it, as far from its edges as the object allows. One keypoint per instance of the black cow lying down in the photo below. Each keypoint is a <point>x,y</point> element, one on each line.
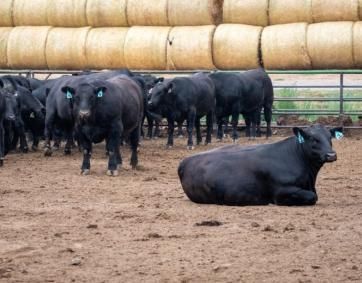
<point>283,173</point>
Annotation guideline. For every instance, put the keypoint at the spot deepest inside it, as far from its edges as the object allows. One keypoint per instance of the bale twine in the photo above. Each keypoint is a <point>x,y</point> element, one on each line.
<point>147,12</point>
<point>190,48</point>
<point>334,10</point>
<point>198,12</point>
<point>104,48</point>
<point>330,45</point>
<point>26,47</point>
<point>290,11</point>
<point>236,46</point>
<point>249,12</point>
<point>106,13</point>
<point>357,44</point>
<point>4,35</point>
<point>65,48</point>
<point>30,12</point>
<point>67,13</point>
<point>285,47</point>
<point>145,48</point>
<point>6,8</point>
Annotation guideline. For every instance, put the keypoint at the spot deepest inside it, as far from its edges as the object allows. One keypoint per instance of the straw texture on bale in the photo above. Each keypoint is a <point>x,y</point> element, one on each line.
<point>357,44</point>
<point>4,35</point>
<point>236,46</point>
<point>330,45</point>
<point>65,48</point>
<point>285,47</point>
<point>146,47</point>
<point>334,10</point>
<point>190,48</point>
<point>26,47</point>
<point>30,12</point>
<point>6,19</point>
<point>104,48</point>
<point>107,13</point>
<point>290,11</point>
<point>67,13</point>
<point>249,12</point>
<point>194,13</point>
<point>147,12</point>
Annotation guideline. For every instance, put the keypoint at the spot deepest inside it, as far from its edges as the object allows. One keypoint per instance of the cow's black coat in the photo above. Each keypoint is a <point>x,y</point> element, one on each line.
<point>283,173</point>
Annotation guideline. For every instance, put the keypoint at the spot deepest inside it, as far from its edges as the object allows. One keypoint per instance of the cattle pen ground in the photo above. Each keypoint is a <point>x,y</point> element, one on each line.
<point>58,226</point>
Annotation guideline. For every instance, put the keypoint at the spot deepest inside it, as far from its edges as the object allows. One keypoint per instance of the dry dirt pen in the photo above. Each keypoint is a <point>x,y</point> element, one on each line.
<point>58,226</point>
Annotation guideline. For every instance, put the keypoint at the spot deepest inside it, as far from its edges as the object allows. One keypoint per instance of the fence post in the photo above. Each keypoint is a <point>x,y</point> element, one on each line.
<point>341,94</point>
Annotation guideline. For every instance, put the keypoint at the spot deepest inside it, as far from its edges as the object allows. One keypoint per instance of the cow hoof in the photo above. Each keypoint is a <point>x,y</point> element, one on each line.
<point>169,146</point>
<point>235,141</point>
<point>112,173</point>
<point>1,162</point>
<point>67,151</point>
<point>85,172</point>
<point>48,152</point>
<point>55,147</point>
<point>180,136</point>
<point>34,148</point>
<point>25,150</point>
<point>190,147</point>
<point>155,138</point>
<point>219,140</point>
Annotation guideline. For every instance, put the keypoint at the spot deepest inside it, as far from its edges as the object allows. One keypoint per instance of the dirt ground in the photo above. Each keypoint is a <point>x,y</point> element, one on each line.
<point>58,226</point>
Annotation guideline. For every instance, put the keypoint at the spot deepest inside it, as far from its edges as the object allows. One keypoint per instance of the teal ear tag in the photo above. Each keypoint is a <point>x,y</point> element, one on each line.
<point>69,95</point>
<point>338,135</point>
<point>100,94</point>
<point>300,138</point>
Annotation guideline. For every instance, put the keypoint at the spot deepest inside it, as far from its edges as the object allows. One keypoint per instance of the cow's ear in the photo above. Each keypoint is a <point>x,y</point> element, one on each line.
<point>170,88</point>
<point>300,134</point>
<point>159,80</point>
<point>69,92</point>
<point>337,133</point>
<point>100,91</point>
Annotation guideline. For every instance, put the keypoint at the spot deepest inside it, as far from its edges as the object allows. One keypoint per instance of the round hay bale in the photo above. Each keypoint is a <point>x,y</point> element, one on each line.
<point>107,13</point>
<point>6,9</point>
<point>285,47</point>
<point>330,45</point>
<point>190,48</point>
<point>145,48</point>
<point>30,13</point>
<point>4,35</point>
<point>195,13</point>
<point>104,48</point>
<point>249,12</point>
<point>236,46</point>
<point>147,12</point>
<point>65,48</point>
<point>360,10</point>
<point>290,11</point>
<point>334,10</point>
<point>357,44</point>
<point>26,47</point>
<point>67,13</point>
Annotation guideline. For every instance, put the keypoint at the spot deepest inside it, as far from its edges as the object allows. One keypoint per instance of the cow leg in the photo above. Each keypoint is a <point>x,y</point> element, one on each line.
<point>157,132</point>
<point>258,123</point>
<point>179,129</point>
<point>149,127</point>
<point>20,131</point>
<point>198,131</point>
<point>293,196</point>
<point>70,141</point>
<point>209,123</point>
<point>171,127</point>
<point>254,121</point>
<point>2,144</point>
<point>134,138</point>
<point>235,120</point>
<point>247,125</point>
<point>268,113</point>
<point>220,129</point>
<point>87,153</point>
<point>48,132</point>
<point>190,127</point>
<point>113,147</point>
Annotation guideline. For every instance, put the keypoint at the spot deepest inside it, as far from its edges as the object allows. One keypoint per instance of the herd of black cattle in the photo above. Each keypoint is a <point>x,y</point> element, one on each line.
<point>112,106</point>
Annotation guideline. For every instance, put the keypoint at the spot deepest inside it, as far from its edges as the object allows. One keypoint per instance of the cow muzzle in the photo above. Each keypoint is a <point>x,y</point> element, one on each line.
<point>331,157</point>
<point>84,114</point>
<point>10,118</point>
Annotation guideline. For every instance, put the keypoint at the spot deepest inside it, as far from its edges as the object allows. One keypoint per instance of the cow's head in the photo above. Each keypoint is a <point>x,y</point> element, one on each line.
<point>316,142</point>
<point>30,104</point>
<point>84,99</point>
<point>161,94</point>
<point>12,106</point>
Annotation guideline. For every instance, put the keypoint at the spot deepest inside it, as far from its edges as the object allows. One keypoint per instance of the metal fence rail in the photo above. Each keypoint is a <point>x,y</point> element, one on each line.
<point>317,112</point>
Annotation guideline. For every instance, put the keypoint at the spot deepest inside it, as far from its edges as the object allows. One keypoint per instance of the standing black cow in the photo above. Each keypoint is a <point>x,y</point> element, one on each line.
<point>246,93</point>
<point>186,98</point>
<point>8,113</point>
<point>283,173</point>
<point>106,110</point>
